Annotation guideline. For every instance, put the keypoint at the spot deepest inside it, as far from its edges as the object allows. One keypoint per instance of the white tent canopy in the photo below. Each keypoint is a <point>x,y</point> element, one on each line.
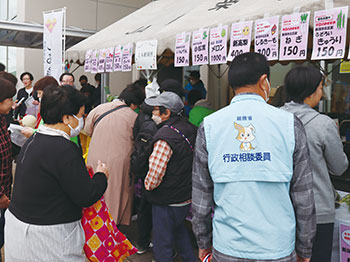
<point>163,19</point>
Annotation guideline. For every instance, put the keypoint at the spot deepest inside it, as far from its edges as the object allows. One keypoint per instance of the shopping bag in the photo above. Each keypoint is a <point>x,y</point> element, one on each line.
<point>103,240</point>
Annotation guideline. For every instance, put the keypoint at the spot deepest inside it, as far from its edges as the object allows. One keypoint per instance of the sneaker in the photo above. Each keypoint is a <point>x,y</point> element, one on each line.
<point>142,250</point>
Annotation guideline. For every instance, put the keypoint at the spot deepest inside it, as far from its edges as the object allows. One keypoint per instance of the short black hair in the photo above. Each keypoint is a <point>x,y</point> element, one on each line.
<point>66,74</point>
<point>301,82</point>
<point>83,77</point>
<point>194,95</point>
<point>246,69</point>
<point>162,110</point>
<point>27,73</point>
<point>98,77</point>
<point>2,67</point>
<point>58,101</point>
<point>132,94</point>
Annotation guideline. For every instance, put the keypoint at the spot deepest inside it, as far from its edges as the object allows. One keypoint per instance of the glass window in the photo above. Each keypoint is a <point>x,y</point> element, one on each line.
<point>3,9</point>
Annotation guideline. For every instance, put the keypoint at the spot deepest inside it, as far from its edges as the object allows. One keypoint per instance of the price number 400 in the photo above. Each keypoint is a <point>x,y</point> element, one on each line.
<point>325,51</point>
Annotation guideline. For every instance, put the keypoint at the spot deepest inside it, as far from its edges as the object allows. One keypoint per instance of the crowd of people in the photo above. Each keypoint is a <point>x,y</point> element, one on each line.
<point>255,177</point>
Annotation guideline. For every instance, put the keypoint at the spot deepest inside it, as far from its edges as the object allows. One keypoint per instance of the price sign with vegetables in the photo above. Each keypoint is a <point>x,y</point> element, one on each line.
<point>117,60</point>
<point>266,37</point>
<point>241,37</point>
<point>294,36</point>
<point>94,61</point>
<point>87,65</point>
<point>182,50</point>
<point>218,45</point>
<point>200,47</point>
<point>330,33</point>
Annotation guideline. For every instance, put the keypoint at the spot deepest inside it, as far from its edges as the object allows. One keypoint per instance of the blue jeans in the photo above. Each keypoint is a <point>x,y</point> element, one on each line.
<point>169,229</point>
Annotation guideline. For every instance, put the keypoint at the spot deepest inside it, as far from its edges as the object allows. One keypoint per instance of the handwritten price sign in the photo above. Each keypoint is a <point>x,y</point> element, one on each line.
<point>87,64</point>
<point>94,61</point>
<point>266,37</point>
<point>109,60</point>
<point>200,47</point>
<point>117,60</point>
<point>218,45</point>
<point>241,37</point>
<point>127,57</point>
<point>330,33</point>
<point>294,36</point>
<point>182,50</point>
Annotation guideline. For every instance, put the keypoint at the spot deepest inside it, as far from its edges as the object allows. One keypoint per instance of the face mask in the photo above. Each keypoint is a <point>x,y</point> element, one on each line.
<point>266,95</point>
<point>76,131</point>
<point>157,119</point>
<point>39,99</point>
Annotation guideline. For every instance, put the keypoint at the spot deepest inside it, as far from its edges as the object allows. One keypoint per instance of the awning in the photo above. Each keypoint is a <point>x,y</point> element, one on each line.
<point>30,35</point>
<point>163,19</point>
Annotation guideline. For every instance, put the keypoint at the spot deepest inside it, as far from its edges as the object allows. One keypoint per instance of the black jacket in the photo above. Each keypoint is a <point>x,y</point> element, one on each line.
<point>21,110</point>
<point>177,182</point>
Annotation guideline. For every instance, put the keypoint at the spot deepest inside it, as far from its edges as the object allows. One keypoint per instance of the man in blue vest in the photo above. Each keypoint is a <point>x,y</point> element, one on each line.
<point>252,164</point>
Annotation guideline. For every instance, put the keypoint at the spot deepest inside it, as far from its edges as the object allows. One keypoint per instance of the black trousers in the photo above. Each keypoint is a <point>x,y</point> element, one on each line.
<point>144,220</point>
<point>322,247</point>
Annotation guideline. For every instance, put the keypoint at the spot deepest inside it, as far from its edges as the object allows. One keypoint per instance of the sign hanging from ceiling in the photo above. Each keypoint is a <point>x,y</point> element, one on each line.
<point>146,55</point>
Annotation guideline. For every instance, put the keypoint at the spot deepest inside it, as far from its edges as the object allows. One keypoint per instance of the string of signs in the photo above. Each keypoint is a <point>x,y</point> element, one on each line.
<point>209,46</point>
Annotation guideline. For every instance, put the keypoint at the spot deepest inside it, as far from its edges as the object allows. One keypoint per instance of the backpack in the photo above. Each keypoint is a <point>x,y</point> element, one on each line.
<point>143,145</point>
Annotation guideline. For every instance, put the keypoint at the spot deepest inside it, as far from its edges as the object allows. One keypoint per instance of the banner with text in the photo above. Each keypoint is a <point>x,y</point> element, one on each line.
<point>218,45</point>
<point>330,33</point>
<point>87,64</point>
<point>146,55</point>
<point>127,57</point>
<point>266,37</point>
<point>200,47</point>
<point>53,43</point>
<point>109,59</point>
<point>241,37</point>
<point>182,50</point>
<point>294,36</point>
<point>117,60</point>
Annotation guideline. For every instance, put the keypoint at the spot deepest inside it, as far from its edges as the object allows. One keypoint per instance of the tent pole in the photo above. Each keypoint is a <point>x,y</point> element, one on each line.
<point>104,83</point>
<point>219,85</point>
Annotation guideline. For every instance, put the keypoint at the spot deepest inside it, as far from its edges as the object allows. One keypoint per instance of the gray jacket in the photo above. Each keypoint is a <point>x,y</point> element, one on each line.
<point>327,156</point>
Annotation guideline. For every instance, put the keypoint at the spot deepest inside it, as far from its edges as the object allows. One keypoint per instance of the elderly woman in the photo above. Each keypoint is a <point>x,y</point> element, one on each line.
<point>52,185</point>
<point>24,93</point>
<point>304,90</point>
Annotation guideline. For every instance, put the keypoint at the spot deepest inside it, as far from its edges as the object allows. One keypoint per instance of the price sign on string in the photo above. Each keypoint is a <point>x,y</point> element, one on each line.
<point>127,57</point>
<point>266,37</point>
<point>182,50</point>
<point>294,36</point>
<point>218,45</point>
<point>109,60</point>
<point>102,60</point>
<point>200,47</point>
<point>94,61</point>
<point>241,37</point>
<point>87,64</point>
<point>117,60</point>
<point>330,33</point>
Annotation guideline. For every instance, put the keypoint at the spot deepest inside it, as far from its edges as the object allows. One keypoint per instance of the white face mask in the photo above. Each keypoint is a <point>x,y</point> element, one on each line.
<point>157,119</point>
<point>76,131</point>
<point>266,94</point>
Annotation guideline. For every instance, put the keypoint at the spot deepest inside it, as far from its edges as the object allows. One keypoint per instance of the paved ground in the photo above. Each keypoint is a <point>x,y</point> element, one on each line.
<point>131,233</point>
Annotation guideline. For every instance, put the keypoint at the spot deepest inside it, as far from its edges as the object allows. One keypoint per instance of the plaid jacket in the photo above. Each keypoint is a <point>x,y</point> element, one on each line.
<point>5,159</point>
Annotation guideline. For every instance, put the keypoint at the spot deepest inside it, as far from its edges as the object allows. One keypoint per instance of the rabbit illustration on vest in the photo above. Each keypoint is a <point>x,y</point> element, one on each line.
<point>245,136</point>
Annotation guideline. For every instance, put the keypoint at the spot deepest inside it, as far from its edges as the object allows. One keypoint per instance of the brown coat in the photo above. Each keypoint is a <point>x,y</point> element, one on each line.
<point>112,143</point>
